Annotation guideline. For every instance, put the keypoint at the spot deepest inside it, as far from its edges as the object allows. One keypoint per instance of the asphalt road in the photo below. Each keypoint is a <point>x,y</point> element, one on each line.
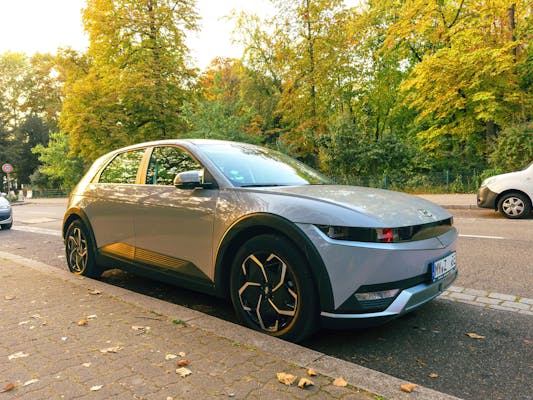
<point>493,254</point>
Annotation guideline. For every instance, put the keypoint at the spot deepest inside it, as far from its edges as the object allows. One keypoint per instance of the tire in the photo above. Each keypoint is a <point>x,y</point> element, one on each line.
<point>6,226</point>
<point>272,289</point>
<point>80,251</point>
<point>514,205</point>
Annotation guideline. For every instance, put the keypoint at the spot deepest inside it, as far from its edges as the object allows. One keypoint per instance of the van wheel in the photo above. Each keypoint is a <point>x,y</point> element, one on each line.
<point>514,205</point>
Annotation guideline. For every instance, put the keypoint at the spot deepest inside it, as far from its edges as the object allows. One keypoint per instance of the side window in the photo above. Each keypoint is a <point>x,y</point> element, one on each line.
<point>166,162</point>
<point>123,168</point>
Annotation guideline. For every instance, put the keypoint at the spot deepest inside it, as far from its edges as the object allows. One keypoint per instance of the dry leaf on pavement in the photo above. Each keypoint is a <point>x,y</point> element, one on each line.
<point>181,354</point>
<point>30,382</point>
<point>433,375</point>
<point>7,388</point>
<point>340,382</point>
<point>170,356</point>
<point>527,342</point>
<point>311,372</point>
<point>18,354</point>
<point>286,379</point>
<point>94,292</point>
<point>408,387</point>
<point>421,363</point>
<point>83,322</point>
<point>114,349</point>
<point>304,382</point>
<point>9,297</point>
<point>183,372</point>
<point>182,363</point>
<point>475,336</point>
<point>96,388</point>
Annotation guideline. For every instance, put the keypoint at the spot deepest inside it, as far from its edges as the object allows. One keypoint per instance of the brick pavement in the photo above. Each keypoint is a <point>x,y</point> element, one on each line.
<point>69,337</point>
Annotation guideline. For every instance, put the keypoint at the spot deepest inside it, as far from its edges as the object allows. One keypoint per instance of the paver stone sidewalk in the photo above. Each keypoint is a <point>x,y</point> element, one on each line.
<point>66,340</point>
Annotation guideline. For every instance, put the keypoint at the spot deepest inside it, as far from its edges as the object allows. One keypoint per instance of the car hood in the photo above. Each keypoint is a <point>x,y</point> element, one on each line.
<point>390,208</point>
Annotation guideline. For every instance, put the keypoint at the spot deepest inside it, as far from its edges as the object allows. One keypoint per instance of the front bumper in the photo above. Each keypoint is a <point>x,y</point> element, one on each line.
<point>407,301</point>
<point>486,198</point>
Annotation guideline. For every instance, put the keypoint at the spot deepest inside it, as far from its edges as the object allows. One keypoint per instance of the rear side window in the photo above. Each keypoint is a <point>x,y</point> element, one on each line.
<point>166,162</point>
<point>123,168</point>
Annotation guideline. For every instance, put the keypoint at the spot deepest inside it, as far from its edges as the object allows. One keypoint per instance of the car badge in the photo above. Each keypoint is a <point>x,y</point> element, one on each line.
<point>424,212</point>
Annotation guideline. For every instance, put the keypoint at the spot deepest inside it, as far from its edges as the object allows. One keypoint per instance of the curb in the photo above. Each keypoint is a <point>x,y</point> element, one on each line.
<point>363,378</point>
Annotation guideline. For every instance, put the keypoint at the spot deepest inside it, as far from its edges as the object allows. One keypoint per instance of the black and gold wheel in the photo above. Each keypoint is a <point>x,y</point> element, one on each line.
<point>272,289</point>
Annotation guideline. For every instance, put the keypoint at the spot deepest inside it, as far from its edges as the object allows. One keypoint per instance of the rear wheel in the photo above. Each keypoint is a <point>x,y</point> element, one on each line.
<point>272,290</point>
<point>80,252</point>
<point>514,205</point>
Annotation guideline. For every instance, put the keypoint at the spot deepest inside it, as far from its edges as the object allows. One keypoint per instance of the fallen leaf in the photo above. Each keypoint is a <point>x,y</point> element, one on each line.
<point>181,354</point>
<point>94,292</point>
<point>64,338</point>
<point>433,375</point>
<point>311,372</point>
<point>304,382</point>
<point>408,387</point>
<point>183,372</point>
<point>170,356</point>
<point>86,365</point>
<point>286,379</point>
<point>340,382</point>
<point>24,322</point>
<point>114,349</point>
<point>83,322</point>
<point>182,363</point>
<point>421,363</point>
<point>527,342</point>
<point>475,336</point>
<point>30,382</point>
<point>7,388</point>
<point>8,297</point>
<point>18,354</point>
<point>93,316</point>
<point>96,388</point>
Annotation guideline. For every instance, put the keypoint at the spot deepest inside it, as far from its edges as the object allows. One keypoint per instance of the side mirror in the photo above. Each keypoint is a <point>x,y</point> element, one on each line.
<point>191,180</point>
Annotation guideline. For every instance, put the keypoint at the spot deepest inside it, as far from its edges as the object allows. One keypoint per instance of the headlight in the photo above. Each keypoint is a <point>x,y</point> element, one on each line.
<point>487,181</point>
<point>4,206</point>
<point>388,235</point>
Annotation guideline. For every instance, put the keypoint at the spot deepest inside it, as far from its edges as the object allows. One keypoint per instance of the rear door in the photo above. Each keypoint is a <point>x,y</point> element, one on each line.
<point>113,205</point>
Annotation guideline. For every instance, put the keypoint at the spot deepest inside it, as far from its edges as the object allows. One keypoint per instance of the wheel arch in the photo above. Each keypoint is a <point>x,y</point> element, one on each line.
<point>263,223</point>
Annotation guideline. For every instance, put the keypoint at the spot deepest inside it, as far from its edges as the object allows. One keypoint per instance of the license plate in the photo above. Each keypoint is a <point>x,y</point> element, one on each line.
<point>443,266</point>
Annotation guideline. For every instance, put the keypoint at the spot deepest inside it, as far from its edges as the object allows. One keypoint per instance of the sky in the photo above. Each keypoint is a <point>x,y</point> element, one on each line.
<point>31,26</point>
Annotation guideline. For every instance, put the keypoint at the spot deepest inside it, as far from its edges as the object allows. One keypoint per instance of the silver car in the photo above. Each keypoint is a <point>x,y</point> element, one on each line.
<point>291,249</point>
<point>6,213</point>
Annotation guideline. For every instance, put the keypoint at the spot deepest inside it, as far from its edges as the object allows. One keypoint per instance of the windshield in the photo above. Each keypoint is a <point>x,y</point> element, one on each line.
<point>247,165</point>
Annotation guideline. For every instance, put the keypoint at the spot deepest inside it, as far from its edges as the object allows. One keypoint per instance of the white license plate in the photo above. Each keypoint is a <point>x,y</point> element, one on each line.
<point>443,266</point>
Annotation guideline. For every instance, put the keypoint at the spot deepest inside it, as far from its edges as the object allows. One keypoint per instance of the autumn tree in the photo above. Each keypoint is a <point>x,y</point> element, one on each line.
<point>29,107</point>
<point>466,82</point>
<point>221,110</point>
<point>138,77</point>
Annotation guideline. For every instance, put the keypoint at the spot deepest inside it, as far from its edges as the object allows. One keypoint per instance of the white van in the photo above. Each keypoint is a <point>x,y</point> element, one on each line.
<point>511,194</point>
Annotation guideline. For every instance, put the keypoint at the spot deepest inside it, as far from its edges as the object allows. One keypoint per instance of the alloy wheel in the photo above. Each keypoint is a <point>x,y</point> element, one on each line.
<point>267,291</point>
<point>77,251</point>
<point>513,206</point>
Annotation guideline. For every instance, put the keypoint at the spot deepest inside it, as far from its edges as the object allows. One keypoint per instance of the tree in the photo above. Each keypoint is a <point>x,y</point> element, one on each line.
<point>222,109</point>
<point>138,78</point>
<point>65,171</point>
<point>466,84</point>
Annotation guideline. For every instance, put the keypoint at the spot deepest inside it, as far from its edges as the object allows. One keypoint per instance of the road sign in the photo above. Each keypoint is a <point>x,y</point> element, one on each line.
<point>7,168</point>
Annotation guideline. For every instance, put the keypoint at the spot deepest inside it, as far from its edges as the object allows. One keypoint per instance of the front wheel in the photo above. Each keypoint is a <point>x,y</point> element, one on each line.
<point>6,226</point>
<point>80,252</point>
<point>272,289</point>
<point>514,205</point>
